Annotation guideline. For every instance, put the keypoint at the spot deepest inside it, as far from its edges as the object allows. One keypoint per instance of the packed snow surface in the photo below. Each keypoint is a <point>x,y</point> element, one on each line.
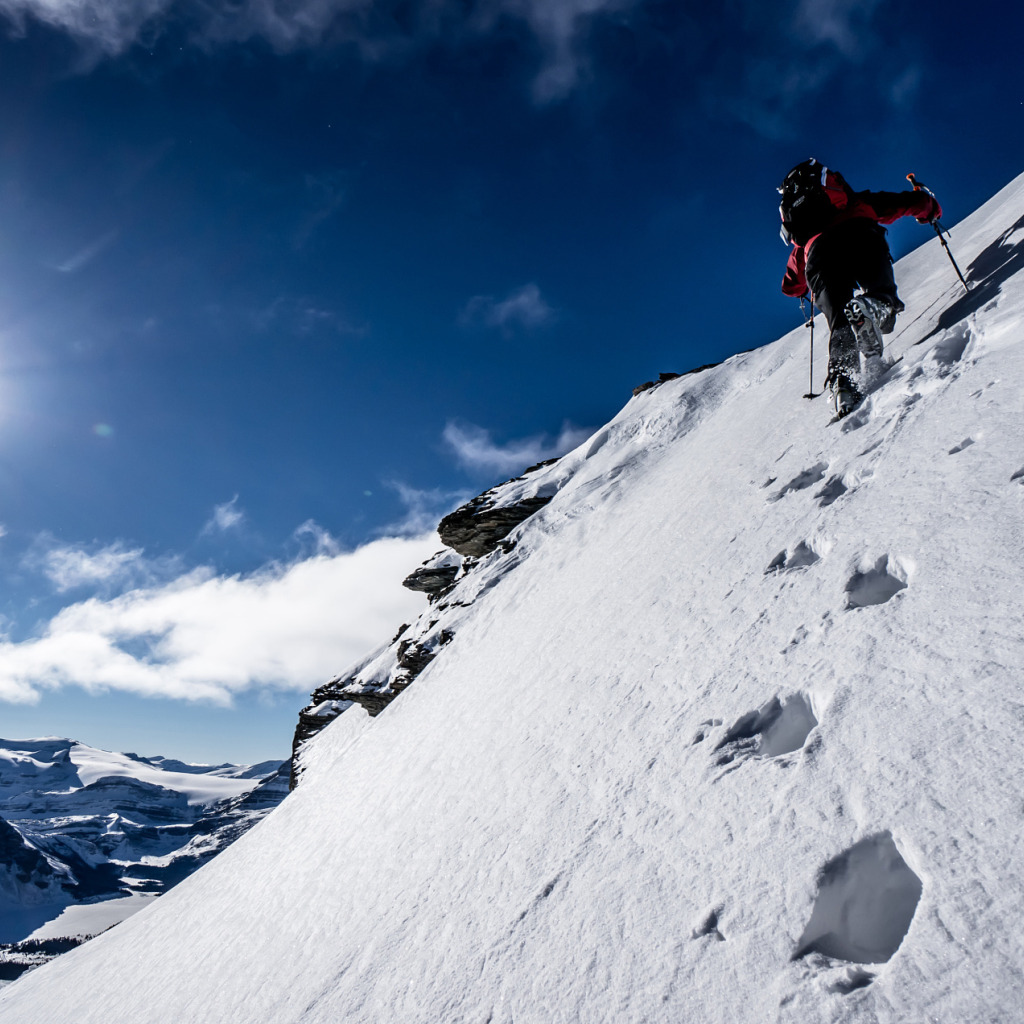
<point>731,735</point>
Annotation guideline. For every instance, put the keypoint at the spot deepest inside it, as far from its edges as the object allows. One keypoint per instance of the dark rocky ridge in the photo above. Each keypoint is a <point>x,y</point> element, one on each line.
<point>325,704</point>
<point>479,533</point>
<point>436,575</point>
<point>650,385</point>
<point>476,529</point>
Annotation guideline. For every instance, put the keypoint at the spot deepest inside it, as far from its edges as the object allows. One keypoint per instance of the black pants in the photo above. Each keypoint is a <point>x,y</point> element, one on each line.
<point>852,253</point>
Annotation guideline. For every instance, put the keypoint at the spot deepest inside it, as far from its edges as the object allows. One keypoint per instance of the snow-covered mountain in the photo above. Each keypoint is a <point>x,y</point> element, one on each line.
<point>88,836</point>
<point>726,730</point>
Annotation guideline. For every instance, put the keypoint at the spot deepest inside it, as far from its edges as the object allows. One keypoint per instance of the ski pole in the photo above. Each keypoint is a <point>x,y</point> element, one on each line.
<point>939,229</point>
<point>810,323</point>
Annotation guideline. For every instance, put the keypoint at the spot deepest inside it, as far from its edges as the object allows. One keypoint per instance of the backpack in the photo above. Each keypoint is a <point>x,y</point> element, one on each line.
<point>811,197</point>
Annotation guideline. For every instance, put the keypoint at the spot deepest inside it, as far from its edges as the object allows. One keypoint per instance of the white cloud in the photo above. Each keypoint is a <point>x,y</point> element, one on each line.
<point>208,637</point>
<point>523,309</point>
<point>475,448</point>
<point>225,517</point>
<point>68,566</point>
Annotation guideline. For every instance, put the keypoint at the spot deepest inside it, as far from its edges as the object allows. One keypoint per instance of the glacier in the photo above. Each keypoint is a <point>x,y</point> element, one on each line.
<point>727,731</point>
<point>89,836</point>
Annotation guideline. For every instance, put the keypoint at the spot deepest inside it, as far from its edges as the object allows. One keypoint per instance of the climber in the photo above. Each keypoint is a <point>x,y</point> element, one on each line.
<point>839,243</point>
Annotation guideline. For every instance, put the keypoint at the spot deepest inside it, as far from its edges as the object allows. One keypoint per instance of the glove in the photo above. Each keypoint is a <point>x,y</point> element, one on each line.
<point>933,213</point>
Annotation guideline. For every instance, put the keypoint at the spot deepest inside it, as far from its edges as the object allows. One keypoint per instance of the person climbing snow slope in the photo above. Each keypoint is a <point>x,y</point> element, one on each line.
<point>839,244</point>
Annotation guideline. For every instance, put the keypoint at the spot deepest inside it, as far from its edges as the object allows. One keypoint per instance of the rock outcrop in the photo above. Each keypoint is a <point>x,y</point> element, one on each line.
<point>479,553</point>
<point>476,529</point>
<point>435,576</point>
<point>650,385</point>
<point>325,704</point>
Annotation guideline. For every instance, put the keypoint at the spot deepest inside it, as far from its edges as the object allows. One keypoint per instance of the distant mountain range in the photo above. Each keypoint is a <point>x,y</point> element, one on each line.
<point>87,836</point>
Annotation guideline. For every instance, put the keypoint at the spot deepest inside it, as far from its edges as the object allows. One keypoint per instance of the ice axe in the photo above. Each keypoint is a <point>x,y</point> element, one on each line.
<point>939,229</point>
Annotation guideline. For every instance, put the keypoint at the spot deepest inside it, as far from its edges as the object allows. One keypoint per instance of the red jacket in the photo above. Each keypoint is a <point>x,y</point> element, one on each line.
<point>881,207</point>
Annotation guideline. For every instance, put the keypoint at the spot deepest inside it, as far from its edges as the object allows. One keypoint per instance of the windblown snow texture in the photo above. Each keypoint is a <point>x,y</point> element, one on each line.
<point>731,733</point>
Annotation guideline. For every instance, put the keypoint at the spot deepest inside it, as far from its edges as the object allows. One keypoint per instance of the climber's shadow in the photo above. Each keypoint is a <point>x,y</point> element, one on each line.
<point>986,274</point>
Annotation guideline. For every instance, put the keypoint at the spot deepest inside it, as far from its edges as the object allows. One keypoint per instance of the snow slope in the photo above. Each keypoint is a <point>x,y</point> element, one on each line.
<point>731,734</point>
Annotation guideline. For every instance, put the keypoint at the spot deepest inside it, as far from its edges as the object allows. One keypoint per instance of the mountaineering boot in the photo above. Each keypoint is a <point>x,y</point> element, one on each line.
<point>845,394</point>
<point>870,319</point>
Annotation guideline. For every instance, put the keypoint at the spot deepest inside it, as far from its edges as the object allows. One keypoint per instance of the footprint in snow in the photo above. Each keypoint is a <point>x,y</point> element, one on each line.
<point>866,900</point>
<point>951,349</point>
<point>835,487</point>
<point>808,478</point>
<point>876,585</point>
<point>779,727</point>
<point>799,557</point>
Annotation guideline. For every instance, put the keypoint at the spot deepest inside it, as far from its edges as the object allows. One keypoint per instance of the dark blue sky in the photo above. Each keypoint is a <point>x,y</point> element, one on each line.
<point>348,261</point>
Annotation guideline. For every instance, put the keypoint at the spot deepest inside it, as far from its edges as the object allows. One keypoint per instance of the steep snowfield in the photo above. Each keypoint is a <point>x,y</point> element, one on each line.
<point>731,735</point>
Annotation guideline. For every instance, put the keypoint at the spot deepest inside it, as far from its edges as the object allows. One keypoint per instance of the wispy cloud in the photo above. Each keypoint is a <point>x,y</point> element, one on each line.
<point>104,27</point>
<point>84,256</point>
<point>424,509</point>
<point>70,566</point>
<point>767,91</point>
<point>225,517</point>
<point>303,316</point>
<point>791,51</point>
<point>325,194</point>
<point>522,309</point>
<point>845,24</point>
<point>202,636</point>
<point>314,539</point>
<point>380,30</point>
<point>476,449</point>
<point>561,28</point>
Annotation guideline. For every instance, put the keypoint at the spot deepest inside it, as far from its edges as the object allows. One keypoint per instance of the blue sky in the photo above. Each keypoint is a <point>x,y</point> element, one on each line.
<point>280,284</point>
